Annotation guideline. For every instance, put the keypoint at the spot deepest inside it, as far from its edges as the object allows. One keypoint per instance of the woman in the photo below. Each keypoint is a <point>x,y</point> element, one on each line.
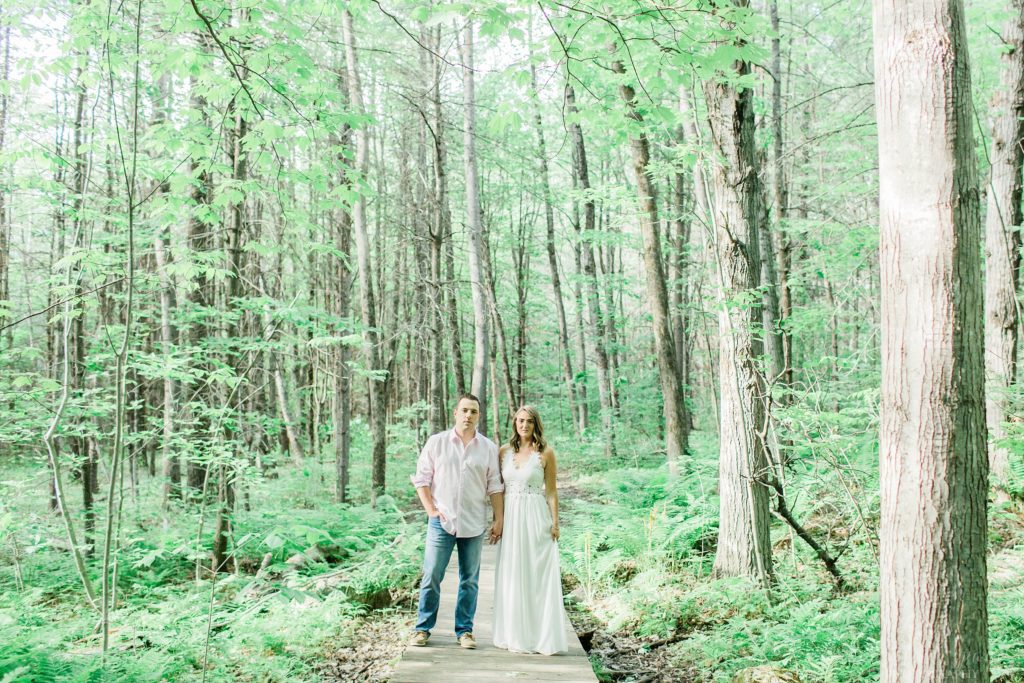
<point>528,613</point>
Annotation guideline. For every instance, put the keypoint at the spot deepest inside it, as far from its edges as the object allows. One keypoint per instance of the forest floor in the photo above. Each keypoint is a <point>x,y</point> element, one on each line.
<point>327,592</point>
<point>370,653</point>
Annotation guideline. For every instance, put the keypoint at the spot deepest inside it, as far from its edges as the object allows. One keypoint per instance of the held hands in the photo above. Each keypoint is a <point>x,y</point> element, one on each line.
<point>495,534</point>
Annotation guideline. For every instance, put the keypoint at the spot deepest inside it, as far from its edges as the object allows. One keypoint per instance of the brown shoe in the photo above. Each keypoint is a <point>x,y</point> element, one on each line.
<point>419,638</point>
<point>467,641</point>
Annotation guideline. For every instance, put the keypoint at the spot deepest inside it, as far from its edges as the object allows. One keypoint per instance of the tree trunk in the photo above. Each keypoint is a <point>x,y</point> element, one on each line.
<point>1003,241</point>
<point>493,400</point>
<point>294,445</point>
<point>556,283</point>
<point>5,228</point>
<point>342,376</point>
<point>454,318</point>
<point>521,270</point>
<point>502,344</point>
<point>443,303</point>
<point>771,317</point>
<point>782,357</point>
<point>341,302</point>
<point>231,330</point>
<point>606,259</point>
<point>76,346</point>
<point>378,418</point>
<point>681,286</point>
<point>476,276</point>
<point>582,173</point>
<point>172,463</point>
<point>580,379</point>
<point>934,468</point>
<point>744,546</point>
<point>654,270</point>
<point>200,295</point>
<point>53,338</point>
<point>702,202</point>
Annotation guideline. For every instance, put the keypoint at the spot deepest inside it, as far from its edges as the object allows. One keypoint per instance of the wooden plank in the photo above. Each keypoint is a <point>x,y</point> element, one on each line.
<point>443,661</point>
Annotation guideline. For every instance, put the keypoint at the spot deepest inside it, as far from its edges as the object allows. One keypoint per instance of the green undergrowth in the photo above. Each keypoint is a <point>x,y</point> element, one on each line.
<point>638,547</point>
<point>324,566</point>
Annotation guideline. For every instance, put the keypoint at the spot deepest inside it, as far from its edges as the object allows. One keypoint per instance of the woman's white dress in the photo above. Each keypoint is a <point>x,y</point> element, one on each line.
<point>528,612</point>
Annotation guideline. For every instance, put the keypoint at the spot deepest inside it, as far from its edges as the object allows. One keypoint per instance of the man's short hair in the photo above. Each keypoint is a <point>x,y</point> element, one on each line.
<point>468,396</point>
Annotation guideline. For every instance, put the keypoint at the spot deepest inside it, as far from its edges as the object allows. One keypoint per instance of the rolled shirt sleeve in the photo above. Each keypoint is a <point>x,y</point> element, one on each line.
<point>494,483</point>
<point>424,475</point>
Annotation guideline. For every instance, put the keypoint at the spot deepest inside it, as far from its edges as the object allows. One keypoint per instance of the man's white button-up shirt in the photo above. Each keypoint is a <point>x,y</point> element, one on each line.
<point>461,478</point>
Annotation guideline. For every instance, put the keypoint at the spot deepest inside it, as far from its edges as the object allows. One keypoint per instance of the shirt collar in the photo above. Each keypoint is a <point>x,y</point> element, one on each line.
<point>458,439</point>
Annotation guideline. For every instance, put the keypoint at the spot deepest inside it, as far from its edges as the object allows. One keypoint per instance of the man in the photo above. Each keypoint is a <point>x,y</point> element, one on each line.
<point>457,471</point>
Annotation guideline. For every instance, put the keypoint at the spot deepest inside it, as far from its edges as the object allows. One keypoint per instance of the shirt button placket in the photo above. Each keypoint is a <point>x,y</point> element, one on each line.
<point>458,503</point>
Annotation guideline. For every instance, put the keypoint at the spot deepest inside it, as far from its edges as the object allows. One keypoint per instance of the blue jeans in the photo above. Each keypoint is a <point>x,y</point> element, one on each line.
<point>435,563</point>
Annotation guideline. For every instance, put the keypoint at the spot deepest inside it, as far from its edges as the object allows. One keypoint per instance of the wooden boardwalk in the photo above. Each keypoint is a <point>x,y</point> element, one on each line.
<point>443,661</point>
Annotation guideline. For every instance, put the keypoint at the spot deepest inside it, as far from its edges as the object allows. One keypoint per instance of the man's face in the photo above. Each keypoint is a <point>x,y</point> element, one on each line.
<point>467,414</point>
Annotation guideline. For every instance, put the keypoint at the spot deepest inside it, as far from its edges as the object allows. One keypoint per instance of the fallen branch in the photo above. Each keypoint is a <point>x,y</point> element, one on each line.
<point>783,512</point>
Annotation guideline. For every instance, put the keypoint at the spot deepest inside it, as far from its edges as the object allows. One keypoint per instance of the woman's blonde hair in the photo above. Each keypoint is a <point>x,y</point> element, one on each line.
<point>538,430</point>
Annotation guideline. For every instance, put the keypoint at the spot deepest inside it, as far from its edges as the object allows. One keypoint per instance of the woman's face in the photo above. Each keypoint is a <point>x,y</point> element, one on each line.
<point>524,425</point>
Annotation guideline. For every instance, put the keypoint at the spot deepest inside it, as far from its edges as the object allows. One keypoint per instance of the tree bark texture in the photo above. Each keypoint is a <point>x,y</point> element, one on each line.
<point>556,282</point>
<point>378,418</point>
<point>5,225</point>
<point>200,296</point>
<point>681,291</point>
<point>577,298</point>
<point>341,303</point>
<point>589,269</point>
<point>744,546</point>
<point>481,337</point>
<point>934,468</point>
<point>1003,241</point>
<point>172,462</point>
<point>342,381</point>
<point>440,233</point>
<point>654,270</point>
<point>232,330</point>
<point>500,352</point>
<point>76,346</point>
<point>779,240</point>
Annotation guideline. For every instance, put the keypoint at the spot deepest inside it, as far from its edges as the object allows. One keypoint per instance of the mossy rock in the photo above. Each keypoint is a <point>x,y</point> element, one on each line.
<point>765,674</point>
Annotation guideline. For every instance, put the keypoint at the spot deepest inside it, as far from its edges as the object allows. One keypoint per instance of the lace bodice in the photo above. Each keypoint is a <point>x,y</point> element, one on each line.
<point>524,479</point>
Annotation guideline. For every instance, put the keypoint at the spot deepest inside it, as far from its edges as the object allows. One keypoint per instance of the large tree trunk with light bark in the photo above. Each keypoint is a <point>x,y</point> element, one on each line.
<point>1003,241</point>
<point>934,468</point>
<point>744,546</point>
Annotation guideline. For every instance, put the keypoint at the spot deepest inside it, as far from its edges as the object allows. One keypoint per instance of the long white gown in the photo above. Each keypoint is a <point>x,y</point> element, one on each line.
<point>528,612</point>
